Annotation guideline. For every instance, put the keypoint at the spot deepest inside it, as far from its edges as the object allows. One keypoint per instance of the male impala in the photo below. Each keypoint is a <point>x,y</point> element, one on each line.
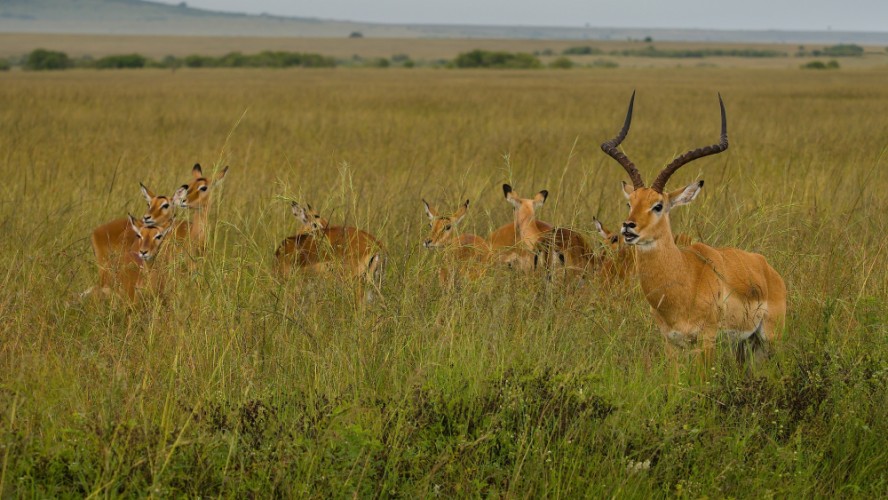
<point>696,291</point>
<point>133,269</point>
<point>319,248</point>
<point>464,253</point>
<point>195,196</point>
<point>115,237</point>
<point>555,246</point>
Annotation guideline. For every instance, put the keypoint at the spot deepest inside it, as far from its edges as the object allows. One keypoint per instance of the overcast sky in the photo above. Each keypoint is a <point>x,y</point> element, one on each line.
<point>843,15</point>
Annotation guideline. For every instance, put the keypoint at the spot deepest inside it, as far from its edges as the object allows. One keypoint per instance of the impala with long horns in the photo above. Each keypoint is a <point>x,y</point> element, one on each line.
<point>696,291</point>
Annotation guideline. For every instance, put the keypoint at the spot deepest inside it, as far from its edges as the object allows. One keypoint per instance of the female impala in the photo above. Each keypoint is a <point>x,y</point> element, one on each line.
<point>195,196</point>
<point>114,238</point>
<point>555,246</point>
<point>696,291</point>
<point>466,253</point>
<point>319,248</point>
<point>505,243</point>
<point>133,270</point>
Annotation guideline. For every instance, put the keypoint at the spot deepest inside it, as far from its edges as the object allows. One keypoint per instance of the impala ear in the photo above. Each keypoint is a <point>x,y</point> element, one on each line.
<point>196,171</point>
<point>601,230</point>
<point>627,189</point>
<point>685,195</point>
<point>460,214</point>
<point>133,223</point>
<point>180,195</point>
<point>540,198</point>
<point>299,212</point>
<point>146,192</point>
<point>430,212</point>
<point>220,176</point>
<point>510,195</point>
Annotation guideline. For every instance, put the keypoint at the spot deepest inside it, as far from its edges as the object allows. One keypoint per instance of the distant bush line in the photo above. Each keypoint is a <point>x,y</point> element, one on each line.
<point>651,51</point>
<point>832,64</point>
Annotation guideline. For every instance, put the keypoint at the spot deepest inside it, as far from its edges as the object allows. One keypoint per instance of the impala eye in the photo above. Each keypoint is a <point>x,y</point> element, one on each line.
<point>203,188</point>
<point>447,227</point>
<point>165,206</point>
<point>658,208</point>
<point>159,236</point>
<point>614,239</point>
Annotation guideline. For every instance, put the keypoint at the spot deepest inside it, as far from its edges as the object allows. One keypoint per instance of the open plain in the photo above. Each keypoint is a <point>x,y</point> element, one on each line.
<point>233,381</point>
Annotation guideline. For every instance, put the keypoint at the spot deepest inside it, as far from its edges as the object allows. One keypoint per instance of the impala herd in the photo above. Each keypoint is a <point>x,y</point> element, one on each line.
<point>693,290</point>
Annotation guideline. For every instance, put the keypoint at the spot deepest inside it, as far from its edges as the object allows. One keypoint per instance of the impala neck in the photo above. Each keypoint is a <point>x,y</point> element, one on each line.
<point>660,266</point>
<point>199,221</point>
<point>526,229</point>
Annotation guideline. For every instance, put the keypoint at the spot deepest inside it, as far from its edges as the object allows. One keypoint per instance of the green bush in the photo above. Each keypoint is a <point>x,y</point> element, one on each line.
<point>122,61</point>
<point>832,64</point>
<point>42,59</point>
<point>498,60</point>
<point>843,50</point>
<point>581,51</point>
<point>561,63</point>
<point>4,65</point>
<point>377,62</point>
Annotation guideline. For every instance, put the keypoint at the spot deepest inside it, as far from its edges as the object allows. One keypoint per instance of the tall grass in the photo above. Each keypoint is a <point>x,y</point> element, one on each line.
<point>234,382</point>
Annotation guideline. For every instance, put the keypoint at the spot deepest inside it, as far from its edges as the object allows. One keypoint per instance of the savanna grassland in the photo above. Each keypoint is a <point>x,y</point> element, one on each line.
<point>234,382</point>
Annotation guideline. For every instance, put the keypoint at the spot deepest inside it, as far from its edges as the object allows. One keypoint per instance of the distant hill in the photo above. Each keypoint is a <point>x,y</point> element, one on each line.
<point>138,17</point>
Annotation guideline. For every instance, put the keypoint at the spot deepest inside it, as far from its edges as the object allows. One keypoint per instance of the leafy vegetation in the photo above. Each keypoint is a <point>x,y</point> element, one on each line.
<point>561,63</point>
<point>832,64</point>
<point>651,51</point>
<point>496,60</point>
<point>127,61</point>
<point>581,51</point>
<point>238,384</point>
<point>42,59</point>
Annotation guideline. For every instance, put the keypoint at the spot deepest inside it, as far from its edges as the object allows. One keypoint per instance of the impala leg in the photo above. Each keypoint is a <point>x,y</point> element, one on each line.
<point>707,357</point>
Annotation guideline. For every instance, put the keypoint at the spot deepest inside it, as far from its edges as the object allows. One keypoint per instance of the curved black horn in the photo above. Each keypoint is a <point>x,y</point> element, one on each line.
<point>694,154</point>
<point>610,147</point>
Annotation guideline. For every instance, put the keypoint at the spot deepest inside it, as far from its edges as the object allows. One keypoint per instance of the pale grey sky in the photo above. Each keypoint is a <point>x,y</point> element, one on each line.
<point>839,15</point>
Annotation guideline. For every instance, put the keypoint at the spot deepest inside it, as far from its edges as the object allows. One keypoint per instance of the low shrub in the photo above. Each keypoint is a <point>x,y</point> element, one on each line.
<point>498,60</point>
<point>42,60</point>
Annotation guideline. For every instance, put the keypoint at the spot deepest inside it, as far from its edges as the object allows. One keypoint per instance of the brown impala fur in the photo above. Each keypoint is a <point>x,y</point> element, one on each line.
<point>195,196</point>
<point>555,246</point>
<point>133,268</point>
<point>505,243</point>
<point>321,249</point>
<point>464,254</point>
<point>618,263</point>
<point>112,239</point>
<point>696,291</point>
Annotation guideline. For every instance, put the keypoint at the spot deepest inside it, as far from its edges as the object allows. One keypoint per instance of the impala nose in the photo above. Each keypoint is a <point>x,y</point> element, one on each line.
<point>427,243</point>
<point>629,225</point>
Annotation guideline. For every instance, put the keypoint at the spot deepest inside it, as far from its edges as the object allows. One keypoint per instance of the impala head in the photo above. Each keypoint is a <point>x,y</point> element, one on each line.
<point>442,228</point>
<point>150,238</point>
<point>524,207</point>
<point>160,208</point>
<point>649,207</point>
<point>196,194</point>
<point>310,219</point>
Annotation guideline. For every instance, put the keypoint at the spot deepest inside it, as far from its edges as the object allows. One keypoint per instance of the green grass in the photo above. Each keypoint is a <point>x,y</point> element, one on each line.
<point>234,383</point>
